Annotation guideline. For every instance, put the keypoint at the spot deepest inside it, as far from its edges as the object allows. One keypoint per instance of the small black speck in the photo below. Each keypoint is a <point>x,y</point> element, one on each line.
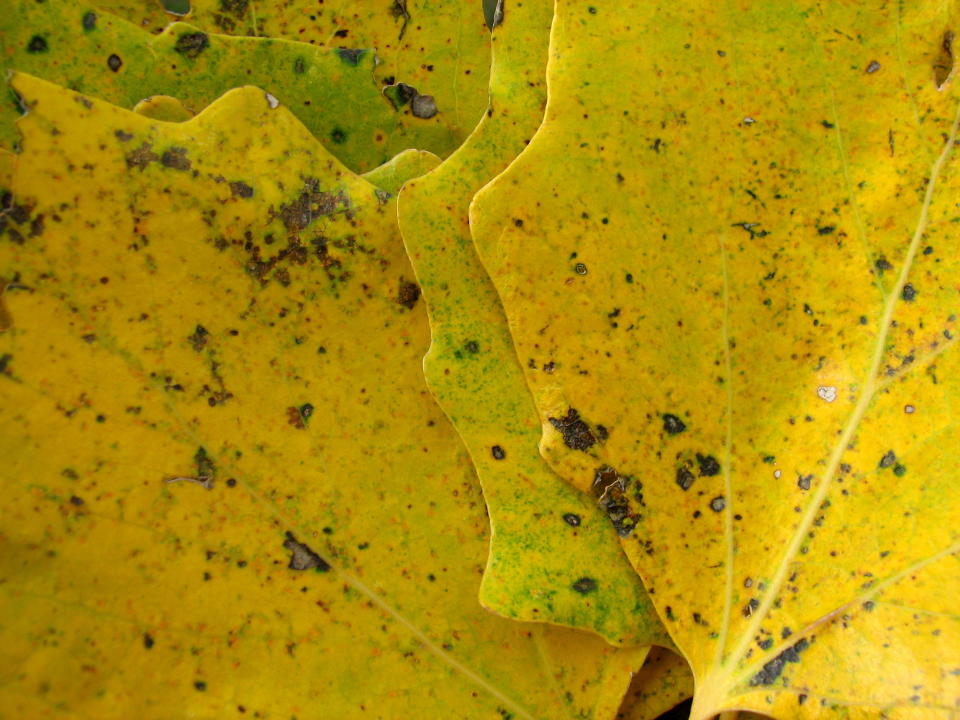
<point>909,292</point>
<point>629,278</point>
<point>37,44</point>
<point>74,500</point>
<point>200,685</point>
<point>828,125</point>
<point>147,640</point>
<point>592,10</point>
<point>497,452</point>
<point>928,250</point>
<point>472,347</point>
<point>888,459</point>
<point>231,482</point>
<point>114,62</point>
<point>585,585</point>
<point>899,470</point>
<point>101,418</point>
<point>718,504</point>
<point>672,425</point>
<point>803,482</point>
<point>572,519</point>
<point>826,229</point>
<point>872,67</point>
<point>580,269</point>
<point>89,20</point>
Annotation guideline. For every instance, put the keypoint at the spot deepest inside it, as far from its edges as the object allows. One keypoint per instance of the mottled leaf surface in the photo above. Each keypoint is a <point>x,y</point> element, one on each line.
<point>661,684</point>
<point>729,266</point>
<point>545,534</point>
<point>335,94</point>
<point>392,174</point>
<point>439,47</point>
<point>227,489</point>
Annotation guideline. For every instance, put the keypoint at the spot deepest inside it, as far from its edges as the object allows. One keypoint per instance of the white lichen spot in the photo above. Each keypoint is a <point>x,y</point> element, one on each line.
<point>777,474</point>
<point>272,101</point>
<point>909,409</point>
<point>827,392</point>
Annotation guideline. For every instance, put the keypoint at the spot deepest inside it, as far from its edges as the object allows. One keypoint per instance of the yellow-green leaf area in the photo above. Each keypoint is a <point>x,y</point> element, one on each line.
<point>731,244</point>
<point>332,91</point>
<point>409,164</point>
<point>228,490</point>
<point>660,685</point>
<point>548,538</point>
<point>163,107</point>
<point>441,49</point>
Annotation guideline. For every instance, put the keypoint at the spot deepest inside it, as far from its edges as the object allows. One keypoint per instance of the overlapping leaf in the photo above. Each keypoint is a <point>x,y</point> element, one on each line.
<point>333,92</point>
<point>727,262</point>
<point>544,532</point>
<point>441,49</point>
<point>226,488</point>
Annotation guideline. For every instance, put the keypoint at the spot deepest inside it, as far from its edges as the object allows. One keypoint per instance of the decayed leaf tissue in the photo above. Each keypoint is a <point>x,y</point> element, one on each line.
<point>479,359</point>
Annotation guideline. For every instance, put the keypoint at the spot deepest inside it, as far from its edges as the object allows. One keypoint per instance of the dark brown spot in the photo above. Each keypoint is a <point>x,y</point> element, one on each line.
<point>585,585</point>
<point>576,433</point>
<point>302,557</point>
<point>176,158</point>
<point>408,294</point>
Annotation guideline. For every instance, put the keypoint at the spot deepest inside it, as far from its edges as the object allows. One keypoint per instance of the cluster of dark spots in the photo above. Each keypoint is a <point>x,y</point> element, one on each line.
<point>176,158</point>
<point>241,189</point>
<point>497,452</point>
<point>89,20</point>
<point>708,465</point>
<point>15,220</point>
<point>408,294</point>
<point>888,459</point>
<point>123,137</point>
<point>310,204</point>
<point>585,585</point>
<point>37,44</point>
<point>192,44</point>
<point>350,56</point>
<point>299,417</point>
<point>718,504</point>
<point>141,157</point>
<point>610,488</point>
<point>206,469</point>
<point>401,94</point>
<point>572,519</point>
<point>302,557</point>
<point>909,292</point>
<point>577,435</point>
<point>773,669</point>
<point>672,425</point>
<point>198,339</point>
<point>826,229</point>
<point>114,62</point>
<point>698,619</point>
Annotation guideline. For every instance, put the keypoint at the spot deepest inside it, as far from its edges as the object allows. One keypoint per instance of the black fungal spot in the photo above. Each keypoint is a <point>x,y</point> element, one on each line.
<point>497,452</point>
<point>176,158</point>
<point>241,189</point>
<point>576,433</point>
<point>200,685</point>
<point>580,269</point>
<point>572,519</point>
<point>773,669</point>
<point>585,585</point>
<point>882,264</point>
<point>888,459</point>
<point>684,478</point>
<point>76,501</point>
<point>37,44</point>
<point>752,605</point>
<point>114,62</point>
<point>408,294</point>
<point>803,482</point>
<point>909,292</point>
<point>826,229</point>
<point>148,640</point>
<point>338,136</point>
<point>872,67</point>
<point>302,557</point>
<point>718,504</point>
<point>708,465</point>
<point>472,347</point>
<point>123,136</point>
<point>192,44</point>
<point>141,157</point>
<point>899,470</point>
<point>829,126</point>
<point>610,488</point>
<point>199,338</point>
<point>672,425</point>
<point>350,56</point>
<point>89,20</point>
